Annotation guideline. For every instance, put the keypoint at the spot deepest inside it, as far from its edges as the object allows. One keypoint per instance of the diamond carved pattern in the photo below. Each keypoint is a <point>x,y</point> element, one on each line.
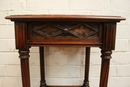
<point>81,30</point>
<point>47,30</point>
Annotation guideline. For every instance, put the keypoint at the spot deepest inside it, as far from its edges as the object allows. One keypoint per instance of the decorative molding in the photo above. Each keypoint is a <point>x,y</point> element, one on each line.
<point>81,30</point>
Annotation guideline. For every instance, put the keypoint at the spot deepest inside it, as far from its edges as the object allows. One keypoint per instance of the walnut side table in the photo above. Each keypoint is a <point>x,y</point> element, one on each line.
<point>69,30</point>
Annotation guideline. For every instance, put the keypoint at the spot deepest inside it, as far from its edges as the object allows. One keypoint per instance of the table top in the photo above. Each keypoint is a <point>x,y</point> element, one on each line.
<point>80,18</point>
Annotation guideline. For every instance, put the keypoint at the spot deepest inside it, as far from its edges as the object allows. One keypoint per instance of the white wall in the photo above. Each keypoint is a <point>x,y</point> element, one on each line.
<point>57,58</point>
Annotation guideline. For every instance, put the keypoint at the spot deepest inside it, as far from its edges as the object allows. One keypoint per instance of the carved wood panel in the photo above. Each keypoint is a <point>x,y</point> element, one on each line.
<point>65,30</point>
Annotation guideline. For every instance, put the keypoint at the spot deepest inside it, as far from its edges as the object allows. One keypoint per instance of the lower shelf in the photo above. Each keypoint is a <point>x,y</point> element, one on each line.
<point>62,86</point>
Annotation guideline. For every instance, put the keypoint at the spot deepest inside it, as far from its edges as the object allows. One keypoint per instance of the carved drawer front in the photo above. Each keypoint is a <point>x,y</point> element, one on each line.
<point>65,32</point>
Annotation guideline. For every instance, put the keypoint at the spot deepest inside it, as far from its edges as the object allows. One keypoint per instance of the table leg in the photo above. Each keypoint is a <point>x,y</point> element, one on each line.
<point>87,60</point>
<point>106,56</point>
<point>24,57</point>
<point>42,67</point>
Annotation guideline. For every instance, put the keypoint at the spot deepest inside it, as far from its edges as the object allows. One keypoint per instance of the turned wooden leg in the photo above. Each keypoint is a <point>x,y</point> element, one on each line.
<point>106,56</point>
<point>87,59</point>
<point>24,57</point>
<point>42,67</point>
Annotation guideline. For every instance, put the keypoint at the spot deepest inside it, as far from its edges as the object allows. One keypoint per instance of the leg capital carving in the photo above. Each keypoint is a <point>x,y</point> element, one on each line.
<point>24,54</point>
<point>106,54</point>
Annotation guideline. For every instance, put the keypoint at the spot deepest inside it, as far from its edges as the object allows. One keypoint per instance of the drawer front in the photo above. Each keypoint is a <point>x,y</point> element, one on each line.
<point>64,33</point>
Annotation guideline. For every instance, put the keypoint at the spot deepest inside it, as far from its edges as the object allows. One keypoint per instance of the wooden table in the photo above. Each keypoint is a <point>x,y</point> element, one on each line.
<point>68,30</point>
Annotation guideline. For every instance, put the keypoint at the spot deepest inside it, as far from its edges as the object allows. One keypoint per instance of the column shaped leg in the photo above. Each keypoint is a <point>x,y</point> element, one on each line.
<point>106,56</point>
<point>24,57</point>
<point>87,60</point>
<point>42,67</point>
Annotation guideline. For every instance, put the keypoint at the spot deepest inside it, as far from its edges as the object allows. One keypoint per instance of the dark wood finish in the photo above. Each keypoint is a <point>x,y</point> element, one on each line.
<point>58,30</point>
<point>87,60</point>
<point>42,67</point>
<point>68,30</point>
<point>106,56</point>
<point>60,33</point>
<point>72,18</point>
<point>24,57</point>
<point>109,36</point>
<point>21,35</point>
<point>21,44</point>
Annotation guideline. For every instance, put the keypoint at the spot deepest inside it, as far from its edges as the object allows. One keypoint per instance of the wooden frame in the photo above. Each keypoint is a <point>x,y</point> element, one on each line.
<point>69,30</point>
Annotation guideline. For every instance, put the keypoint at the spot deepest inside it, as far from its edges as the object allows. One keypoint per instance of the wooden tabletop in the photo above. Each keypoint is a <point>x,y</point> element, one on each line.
<point>84,18</point>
